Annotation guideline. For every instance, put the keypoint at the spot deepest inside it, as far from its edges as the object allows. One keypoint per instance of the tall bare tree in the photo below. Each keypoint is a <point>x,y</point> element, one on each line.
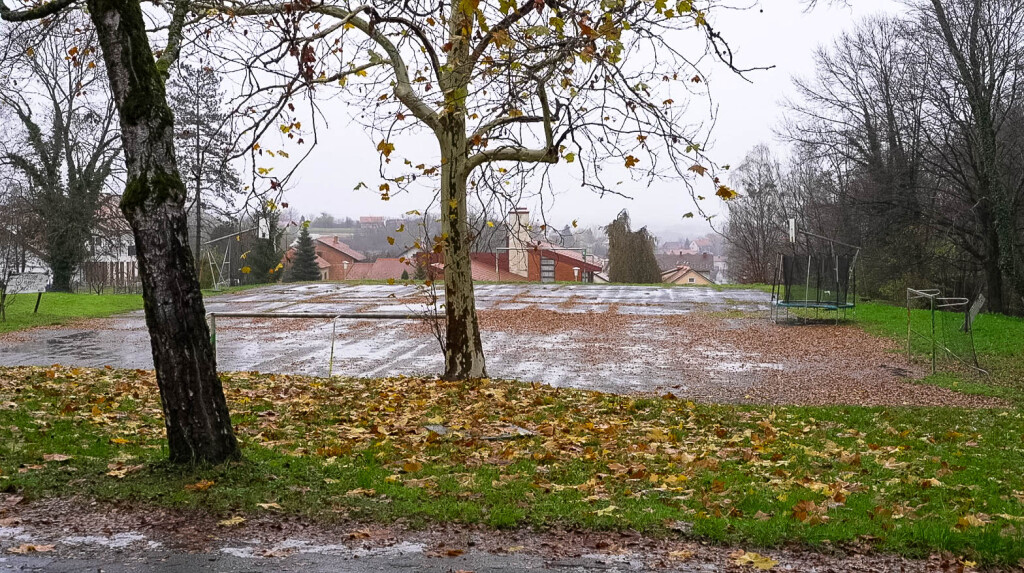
<point>68,141</point>
<point>979,83</point>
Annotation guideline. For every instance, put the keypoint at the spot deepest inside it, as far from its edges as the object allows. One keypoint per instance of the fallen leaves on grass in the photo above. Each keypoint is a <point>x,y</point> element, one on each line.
<point>231,521</point>
<point>668,452</point>
<point>120,470</point>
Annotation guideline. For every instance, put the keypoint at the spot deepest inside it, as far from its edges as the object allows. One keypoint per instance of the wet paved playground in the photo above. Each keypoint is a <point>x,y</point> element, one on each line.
<point>696,342</point>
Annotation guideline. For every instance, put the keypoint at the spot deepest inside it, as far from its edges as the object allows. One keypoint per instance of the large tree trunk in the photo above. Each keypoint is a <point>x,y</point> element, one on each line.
<point>464,354</point>
<point>993,268</point>
<point>195,411</point>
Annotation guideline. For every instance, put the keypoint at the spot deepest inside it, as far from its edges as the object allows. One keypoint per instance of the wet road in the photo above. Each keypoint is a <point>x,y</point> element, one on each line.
<point>558,354</point>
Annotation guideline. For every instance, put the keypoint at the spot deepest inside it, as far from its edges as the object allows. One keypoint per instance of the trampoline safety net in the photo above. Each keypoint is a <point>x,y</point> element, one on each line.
<point>823,282</point>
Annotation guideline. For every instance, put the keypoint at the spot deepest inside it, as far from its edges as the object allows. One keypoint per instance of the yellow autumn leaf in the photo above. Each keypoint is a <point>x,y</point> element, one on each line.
<point>412,466</point>
<point>201,485</point>
<point>385,148</point>
<point>755,560</point>
<point>231,522</point>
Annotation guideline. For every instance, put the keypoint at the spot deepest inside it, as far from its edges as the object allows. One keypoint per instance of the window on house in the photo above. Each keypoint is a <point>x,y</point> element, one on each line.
<point>692,280</point>
<point>547,270</point>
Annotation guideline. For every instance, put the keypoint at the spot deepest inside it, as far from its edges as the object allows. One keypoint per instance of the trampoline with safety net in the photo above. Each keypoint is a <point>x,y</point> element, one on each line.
<point>817,278</point>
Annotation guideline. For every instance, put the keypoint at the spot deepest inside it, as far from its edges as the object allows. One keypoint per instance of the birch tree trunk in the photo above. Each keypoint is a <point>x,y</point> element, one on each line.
<point>195,411</point>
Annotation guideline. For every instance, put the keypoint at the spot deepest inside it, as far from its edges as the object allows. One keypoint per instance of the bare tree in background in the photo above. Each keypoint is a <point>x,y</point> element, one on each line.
<point>67,141</point>
<point>755,229</point>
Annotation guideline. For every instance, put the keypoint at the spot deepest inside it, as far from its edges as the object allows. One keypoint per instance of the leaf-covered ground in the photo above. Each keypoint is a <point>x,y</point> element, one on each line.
<point>910,480</point>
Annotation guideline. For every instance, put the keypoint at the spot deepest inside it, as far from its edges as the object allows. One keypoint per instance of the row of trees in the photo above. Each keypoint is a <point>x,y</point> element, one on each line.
<point>909,141</point>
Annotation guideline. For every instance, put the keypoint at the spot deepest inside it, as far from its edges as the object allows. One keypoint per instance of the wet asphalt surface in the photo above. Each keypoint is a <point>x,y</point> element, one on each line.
<point>158,562</point>
<point>388,347</point>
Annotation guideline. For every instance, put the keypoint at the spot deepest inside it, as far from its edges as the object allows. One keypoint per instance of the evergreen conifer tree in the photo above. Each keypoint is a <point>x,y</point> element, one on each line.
<point>304,267</point>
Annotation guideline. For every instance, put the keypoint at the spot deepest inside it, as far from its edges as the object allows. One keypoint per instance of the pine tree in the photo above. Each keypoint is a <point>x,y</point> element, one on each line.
<point>631,253</point>
<point>204,143</point>
<point>304,267</point>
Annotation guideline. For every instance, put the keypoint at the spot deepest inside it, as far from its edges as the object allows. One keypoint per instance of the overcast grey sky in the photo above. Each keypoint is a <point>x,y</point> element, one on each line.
<point>772,32</point>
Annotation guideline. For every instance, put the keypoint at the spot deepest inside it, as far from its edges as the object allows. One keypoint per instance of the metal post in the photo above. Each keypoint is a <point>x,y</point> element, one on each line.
<point>213,334</point>
<point>330,363</point>
<point>38,298</point>
<point>933,334</point>
<point>908,326</point>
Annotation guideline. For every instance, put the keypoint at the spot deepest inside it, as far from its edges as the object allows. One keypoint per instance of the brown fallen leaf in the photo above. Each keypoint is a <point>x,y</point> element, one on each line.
<point>359,492</point>
<point>27,548</point>
<point>120,470</point>
<point>56,457</point>
<point>412,467</point>
<point>454,552</point>
<point>201,485</point>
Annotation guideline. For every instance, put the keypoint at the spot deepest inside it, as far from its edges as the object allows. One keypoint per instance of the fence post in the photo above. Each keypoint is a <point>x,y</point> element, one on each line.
<point>213,334</point>
<point>933,335</point>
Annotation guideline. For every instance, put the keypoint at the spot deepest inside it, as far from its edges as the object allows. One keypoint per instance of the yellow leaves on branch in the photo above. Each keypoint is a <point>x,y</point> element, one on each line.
<point>385,148</point>
<point>726,192</point>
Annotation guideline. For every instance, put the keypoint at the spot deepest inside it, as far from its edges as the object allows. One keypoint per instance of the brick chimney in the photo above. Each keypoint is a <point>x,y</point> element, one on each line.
<point>519,241</point>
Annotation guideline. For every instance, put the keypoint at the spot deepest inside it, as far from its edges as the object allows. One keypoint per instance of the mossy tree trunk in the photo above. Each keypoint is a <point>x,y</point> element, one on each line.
<point>195,410</point>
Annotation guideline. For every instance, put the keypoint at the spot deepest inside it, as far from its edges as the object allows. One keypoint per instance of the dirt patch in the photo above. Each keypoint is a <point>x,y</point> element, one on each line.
<point>814,364</point>
<point>724,358</point>
<point>77,527</point>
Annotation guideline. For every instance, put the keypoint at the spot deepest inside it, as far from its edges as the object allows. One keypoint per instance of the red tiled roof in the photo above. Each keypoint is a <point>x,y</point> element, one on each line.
<point>381,269</point>
<point>341,247</point>
<point>358,271</point>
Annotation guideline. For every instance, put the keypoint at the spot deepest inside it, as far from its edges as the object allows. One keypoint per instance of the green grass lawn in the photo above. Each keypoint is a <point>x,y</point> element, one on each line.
<point>60,308</point>
<point>998,339</point>
<point>908,480</point>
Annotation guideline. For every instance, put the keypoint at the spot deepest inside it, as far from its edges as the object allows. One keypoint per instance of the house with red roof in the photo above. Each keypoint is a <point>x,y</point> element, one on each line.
<point>541,261</point>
